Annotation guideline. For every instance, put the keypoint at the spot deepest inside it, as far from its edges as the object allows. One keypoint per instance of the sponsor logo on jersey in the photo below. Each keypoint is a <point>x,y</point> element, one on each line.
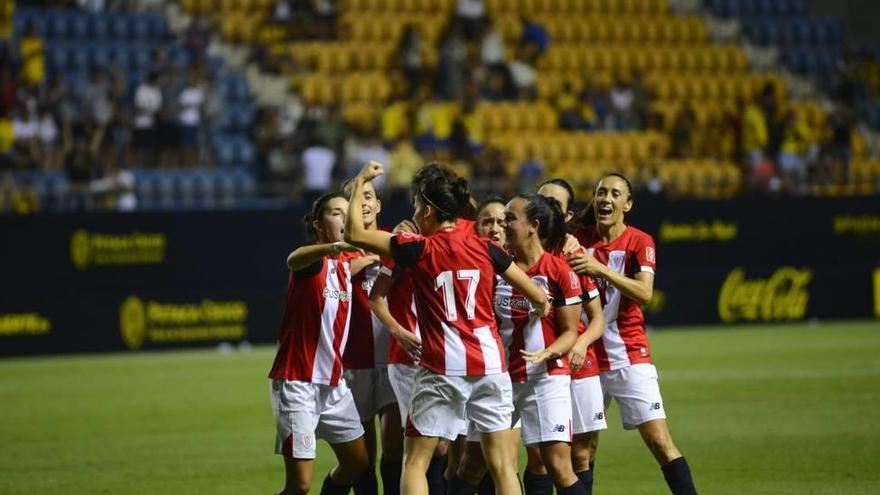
<point>781,296</point>
<point>336,294</point>
<point>512,302</point>
<point>153,321</point>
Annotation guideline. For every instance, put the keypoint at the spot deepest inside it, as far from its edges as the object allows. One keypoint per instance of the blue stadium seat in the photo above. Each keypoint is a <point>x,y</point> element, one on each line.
<point>98,26</point>
<point>119,27</point>
<point>140,56</point>
<point>79,27</point>
<point>58,57</point>
<point>57,26</point>
<point>224,151</point>
<point>100,55</point>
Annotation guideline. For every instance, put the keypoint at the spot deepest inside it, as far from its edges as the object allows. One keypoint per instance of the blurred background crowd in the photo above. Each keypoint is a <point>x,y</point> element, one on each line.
<point>146,104</point>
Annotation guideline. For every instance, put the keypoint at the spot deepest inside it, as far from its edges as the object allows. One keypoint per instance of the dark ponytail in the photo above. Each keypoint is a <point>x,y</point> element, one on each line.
<point>587,216</point>
<point>317,209</point>
<point>449,196</point>
<point>551,220</point>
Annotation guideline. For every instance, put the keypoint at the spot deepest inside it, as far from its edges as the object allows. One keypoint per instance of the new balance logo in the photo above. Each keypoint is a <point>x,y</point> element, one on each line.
<point>655,406</point>
<point>559,429</point>
<point>599,416</point>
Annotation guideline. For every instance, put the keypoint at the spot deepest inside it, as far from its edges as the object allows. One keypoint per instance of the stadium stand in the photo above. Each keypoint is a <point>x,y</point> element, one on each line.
<point>527,89</point>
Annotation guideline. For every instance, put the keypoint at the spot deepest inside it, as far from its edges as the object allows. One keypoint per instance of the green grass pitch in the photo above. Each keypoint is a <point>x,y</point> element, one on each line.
<point>784,409</point>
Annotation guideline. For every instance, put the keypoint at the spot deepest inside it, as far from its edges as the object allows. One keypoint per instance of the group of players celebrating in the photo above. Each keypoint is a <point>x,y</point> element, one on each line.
<point>467,330</point>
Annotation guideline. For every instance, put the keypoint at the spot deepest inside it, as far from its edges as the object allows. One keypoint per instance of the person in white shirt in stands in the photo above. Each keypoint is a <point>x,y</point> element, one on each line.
<point>192,98</point>
<point>318,162</point>
<point>147,102</point>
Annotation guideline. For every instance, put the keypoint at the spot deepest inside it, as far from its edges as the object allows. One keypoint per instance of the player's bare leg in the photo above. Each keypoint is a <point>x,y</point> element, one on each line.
<point>583,454</point>
<point>496,452</point>
<point>675,468</point>
<point>391,464</point>
<point>298,476</point>
<point>352,459</point>
<point>455,453</point>
<point>417,454</point>
<point>472,466</point>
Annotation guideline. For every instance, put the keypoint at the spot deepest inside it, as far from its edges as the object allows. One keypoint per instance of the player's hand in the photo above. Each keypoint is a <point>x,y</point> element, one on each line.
<point>410,342</point>
<point>371,170</point>
<point>538,356</point>
<point>407,226</point>
<point>542,309</point>
<point>571,244</point>
<point>585,264</point>
<point>576,356</point>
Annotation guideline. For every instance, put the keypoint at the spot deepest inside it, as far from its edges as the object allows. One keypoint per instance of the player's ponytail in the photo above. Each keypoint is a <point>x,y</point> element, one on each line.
<point>316,212</point>
<point>551,220</point>
<point>449,196</point>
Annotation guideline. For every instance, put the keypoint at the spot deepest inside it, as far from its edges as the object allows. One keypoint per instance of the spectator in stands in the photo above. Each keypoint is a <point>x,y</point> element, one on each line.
<point>32,53</point>
<point>25,127</point>
<point>192,99</point>
<point>523,72</point>
<point>7,87</point>
<point>168,121</point>
<point>147,103</point>
<point>318,161</point>
<point>372,150</point>
<point>7,140</point>
<point>471,16</point>
<point>624,110</point>
<point>394,121</point>
<point>793,152</point>
<point>404,161</point>
<point>409,54</point>
<point>282,162</point>
<point>326,12</point>
<point>434,121</point>
<point>754,133</point>
<point>568,107</point>
<point>96,99</point>
<point>837,152</point>
<point>595,102</point>
<point>492,51</point>
<point>534,34</point>
<point>530,170</point>
<point>488,170</point>
<point>467,132</point>
<point>452,53</point>
<point>91,6</point>
<point>7,12</point>
<point>498,85</point>
<point>48,134</point>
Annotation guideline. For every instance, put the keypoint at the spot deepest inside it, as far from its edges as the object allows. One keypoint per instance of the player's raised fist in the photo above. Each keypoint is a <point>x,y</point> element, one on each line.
<point>371,170</point>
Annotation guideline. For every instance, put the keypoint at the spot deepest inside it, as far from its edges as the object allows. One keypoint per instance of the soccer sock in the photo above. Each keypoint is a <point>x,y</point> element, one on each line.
<point>390,476</point>
<point>458,486</point>
<point>586,478</point>
<point>576,488</point>
<point>678,477</point>
<point>487,485</point>
<point>367,484</point>
<point>330,488</point>
<point>436,481</point>
<point>537,484</point>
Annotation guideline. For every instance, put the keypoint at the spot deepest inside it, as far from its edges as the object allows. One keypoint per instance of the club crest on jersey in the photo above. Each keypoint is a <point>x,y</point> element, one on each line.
<point>649,254</point>
<point>336,294</point>
<point>575,281</point>
<point>306,441</point>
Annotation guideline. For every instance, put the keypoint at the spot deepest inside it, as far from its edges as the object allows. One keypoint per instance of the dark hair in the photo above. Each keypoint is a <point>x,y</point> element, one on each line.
<point>551,220</point>
<point>317,210</point>
<point>587,215</point>
<point>429,173</point>
<point>489,201</point>
<point>556,181</point>
<point>449,196</point>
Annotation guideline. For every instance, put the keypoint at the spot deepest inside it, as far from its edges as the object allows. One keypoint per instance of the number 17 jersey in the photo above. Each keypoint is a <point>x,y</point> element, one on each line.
<point>453,275</point>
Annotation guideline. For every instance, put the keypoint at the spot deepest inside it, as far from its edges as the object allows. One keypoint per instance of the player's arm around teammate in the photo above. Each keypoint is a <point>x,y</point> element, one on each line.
<point>309,400</point>
<point>623,258</point>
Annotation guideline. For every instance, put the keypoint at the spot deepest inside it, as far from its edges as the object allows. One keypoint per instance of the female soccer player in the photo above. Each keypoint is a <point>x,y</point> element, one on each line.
<point>463,369</point>
<point>588,411</point>
<point>490,219</point>
<point>622,259</point>
<point>365,366</point>
<point>309,396</point>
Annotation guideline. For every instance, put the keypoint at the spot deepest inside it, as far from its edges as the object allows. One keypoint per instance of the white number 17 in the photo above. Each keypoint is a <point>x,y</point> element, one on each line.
<point>444,281</point>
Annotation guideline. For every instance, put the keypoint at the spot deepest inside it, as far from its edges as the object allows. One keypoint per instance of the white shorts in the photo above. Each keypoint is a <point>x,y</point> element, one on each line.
<point>472,435</point>
<point>637,392</point>
<point>587,405</point>
<point>371,390</point>
<point>544,404</point>
<point>402,378</point>
<point>305,412</point>
<point>441,404</point>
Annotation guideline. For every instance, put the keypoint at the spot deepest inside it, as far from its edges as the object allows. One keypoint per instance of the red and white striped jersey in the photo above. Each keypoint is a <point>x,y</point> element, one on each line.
<point>624,341</point>
<point>452,273</point>
<point>367,338</point>
<point>521,331</point>
<point>591,291</point>
<point>314,325</point>
<point>402,305</point>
